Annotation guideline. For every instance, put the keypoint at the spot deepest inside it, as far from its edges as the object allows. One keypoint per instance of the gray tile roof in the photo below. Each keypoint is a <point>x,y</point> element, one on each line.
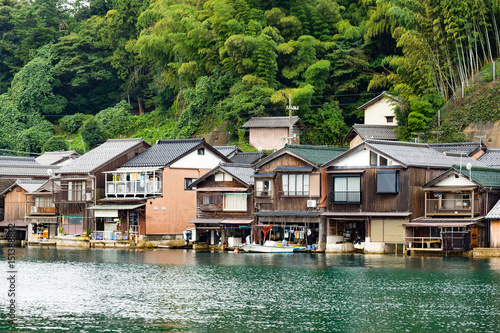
<point>164,153</point>
<point>243,172</point>
<point>18,160</point>
<point>377,132</point>
<point>418,154</point>
<point>378,97</point>
<point>227,150</point>
<point>29,185</point>
<point>273,122</point>
<point>52,157</point>
<point>247,158</point>
<point>494,213</point>
<point>456,147</point>
<point>27,170</point>
<point>491,158</point>
<point>100,155</point>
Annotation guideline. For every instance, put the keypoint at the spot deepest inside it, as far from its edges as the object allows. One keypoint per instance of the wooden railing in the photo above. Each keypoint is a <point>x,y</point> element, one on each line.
<point>451,207</point>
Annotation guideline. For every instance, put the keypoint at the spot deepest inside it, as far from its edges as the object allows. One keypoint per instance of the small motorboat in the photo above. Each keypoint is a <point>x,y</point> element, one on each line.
<point>271,247</point>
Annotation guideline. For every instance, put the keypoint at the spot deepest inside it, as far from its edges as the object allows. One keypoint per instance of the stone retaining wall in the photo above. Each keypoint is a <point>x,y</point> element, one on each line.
<point>485,252</point>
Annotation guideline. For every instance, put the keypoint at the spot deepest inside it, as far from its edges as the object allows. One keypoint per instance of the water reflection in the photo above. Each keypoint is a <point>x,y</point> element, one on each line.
<point>96,290</point>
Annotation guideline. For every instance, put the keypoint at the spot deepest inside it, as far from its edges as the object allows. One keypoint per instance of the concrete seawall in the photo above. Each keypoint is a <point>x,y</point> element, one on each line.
<point>486,252</point>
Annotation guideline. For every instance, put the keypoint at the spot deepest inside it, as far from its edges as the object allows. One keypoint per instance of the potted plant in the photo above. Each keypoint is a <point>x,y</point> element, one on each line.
<point>61,231</point>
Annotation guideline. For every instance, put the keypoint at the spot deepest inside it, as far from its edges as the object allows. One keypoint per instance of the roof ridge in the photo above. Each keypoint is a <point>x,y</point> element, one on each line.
<point>180,140</point>
<point>239,165</point>
<point>396,143</point>
<point>126,139</point>
<point>477,168</point>
<point>316,147</point>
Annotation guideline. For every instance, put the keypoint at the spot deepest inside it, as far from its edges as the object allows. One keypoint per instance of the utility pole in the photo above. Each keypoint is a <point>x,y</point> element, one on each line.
<point>290,108</point>
<point>480,137</point>
<point>437,137</point>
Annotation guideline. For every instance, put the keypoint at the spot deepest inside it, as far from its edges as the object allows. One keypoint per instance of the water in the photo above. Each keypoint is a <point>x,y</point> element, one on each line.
<point>73,290</point>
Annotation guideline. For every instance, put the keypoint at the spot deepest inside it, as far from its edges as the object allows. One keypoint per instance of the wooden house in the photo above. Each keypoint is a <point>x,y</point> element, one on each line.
<point>155,186</point>
<point>270,133</point>
<point>41,215</point>
<point>224,198</point>
<point>456,205</point>
<point>15,205</point>
<point>83,182</point>
<point>376,188</point>
<point>493,219</point>
<point>289,195</point>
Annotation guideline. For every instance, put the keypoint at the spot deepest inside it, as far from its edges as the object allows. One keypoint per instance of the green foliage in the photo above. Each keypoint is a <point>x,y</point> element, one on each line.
<point>91,133</point>
<point>72,123</point>
<point>115,121</point>
<point>329,126</point>
<point>55,143</point>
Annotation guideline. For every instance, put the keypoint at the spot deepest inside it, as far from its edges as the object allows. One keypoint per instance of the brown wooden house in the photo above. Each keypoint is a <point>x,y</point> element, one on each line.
<point>82,182</point>
<point>376,188</point>
<point>289,194</point>
<point>224,197</point>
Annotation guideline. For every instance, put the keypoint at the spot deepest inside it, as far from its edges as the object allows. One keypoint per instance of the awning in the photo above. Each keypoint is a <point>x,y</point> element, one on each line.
<point>293,169</point>
<point>206,221</point>
<point>220,221</point>
<point>263,175</point>
<point>117,206</point>
<point>221,189</point>
<point>366,214</point>
<point>286,213</point>
<point>16,223</point>
<point>237,221</point>
<point>437,224</point>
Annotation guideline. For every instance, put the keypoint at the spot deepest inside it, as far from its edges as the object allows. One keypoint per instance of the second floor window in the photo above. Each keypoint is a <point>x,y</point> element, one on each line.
<point>210,199</point>
<point>263,188</point>
<point>76,191</point>
<point>187,182</point>
<point>295,185</point>
<point>235,202</point>
<point>346,189</point>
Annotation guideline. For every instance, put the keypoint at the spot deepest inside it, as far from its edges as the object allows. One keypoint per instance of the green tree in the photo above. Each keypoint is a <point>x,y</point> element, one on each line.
<point>91,133</point>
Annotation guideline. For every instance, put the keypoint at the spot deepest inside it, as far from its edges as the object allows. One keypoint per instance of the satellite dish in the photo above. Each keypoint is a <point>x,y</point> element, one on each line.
<point>468,166</point>
<point>259,149</point>
<point>49,172</point>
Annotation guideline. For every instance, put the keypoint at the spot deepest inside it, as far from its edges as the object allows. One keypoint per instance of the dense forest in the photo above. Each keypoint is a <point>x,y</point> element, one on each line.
<point>74,73</point>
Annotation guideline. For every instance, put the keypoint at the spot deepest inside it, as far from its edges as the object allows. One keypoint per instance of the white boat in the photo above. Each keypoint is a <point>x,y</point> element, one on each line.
<point>270,247</point>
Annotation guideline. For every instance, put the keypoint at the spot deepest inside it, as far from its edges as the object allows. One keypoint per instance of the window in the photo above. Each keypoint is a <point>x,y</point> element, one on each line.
<point>373,158</point>
<point>346,189</point>
<point>201,151</point>
<point>223,177</point>
<point>390,119</point>
<point>76,191</point>
<point>235,202</point>
<point>295,184</point>
<point>387,181</point>
<point>77,220</point>
<point>210,199</point>
<point>263,188</point>
<point>187,182</point>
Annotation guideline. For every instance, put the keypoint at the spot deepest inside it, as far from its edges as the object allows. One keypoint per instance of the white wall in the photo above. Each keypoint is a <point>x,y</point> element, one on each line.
<point>360,158</point>
<point>195,161</point>
<point>376,113</point>
<point>452,181</point>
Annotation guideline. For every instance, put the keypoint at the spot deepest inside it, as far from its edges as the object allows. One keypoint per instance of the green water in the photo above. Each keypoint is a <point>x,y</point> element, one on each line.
<point>72,290</point>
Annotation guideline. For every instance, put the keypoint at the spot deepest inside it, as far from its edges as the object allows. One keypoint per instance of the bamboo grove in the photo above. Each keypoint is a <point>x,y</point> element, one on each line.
<point>73,72</point>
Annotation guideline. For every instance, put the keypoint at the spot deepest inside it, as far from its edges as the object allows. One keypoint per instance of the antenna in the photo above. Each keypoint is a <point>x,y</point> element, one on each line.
<point>259,149</point>
<point>480,137</point>
<point>49,172</point>
<point>469,167</point>
<point>290,108</point>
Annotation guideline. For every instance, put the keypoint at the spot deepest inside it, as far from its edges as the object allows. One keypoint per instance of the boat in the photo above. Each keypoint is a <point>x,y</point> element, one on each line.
<point>271,247</point>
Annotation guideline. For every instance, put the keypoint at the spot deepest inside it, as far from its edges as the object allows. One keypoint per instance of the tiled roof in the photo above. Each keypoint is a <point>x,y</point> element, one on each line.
<point>491,158</point>
<point>227,150</point>
<point>100,155</point>
<point>164,153</point>
<point>273,122</point>
<point>494,213</point>
<point>18,160</point>
<point>247,158</point>
<point>466,148</point>
<point>243,172</point>
<point>51,157</point>
<point>487,177</point>
<point>27,170</point>
<point>317,154</point>
<point>375,99</point>
<point>29,185</point>
<point>418,154</point>
<point>377,132</point>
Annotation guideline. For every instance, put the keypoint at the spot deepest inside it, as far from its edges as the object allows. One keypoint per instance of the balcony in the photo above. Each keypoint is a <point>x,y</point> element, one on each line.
<point>452,207</point>
<point>133,188</point>
<point>40,208</point>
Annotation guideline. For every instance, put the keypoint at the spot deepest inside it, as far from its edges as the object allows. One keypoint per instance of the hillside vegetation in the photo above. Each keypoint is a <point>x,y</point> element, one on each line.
<point>77,73</point>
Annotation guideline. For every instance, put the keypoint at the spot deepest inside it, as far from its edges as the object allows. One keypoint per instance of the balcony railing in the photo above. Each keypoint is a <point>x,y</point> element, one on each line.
<point>451,207</point>
<point>133,188</point>
<point>424,243</point>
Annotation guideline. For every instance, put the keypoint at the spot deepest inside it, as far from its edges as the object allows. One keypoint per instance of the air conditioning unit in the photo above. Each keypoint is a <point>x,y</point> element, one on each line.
<point>89,196</point>
<point>311,203</point>
<point>34,209</point>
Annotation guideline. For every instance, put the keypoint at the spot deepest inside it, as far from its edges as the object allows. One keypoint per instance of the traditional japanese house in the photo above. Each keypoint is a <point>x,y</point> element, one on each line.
<point>60,158</point>
<point>376,188</point>
<point>272,132</point>
<point>473,150</point>
<point>83,183</point>
<point>360,132</point>
<point>491,158</point>
<point>456,205</point>
<point>228,151</point>
<point>247,158</point>
<point>160,179</point>
<point>15,205</point>
<point>289,195</point>
<point>493,219</point>
<point>224,197</point>
<point>41,215</point>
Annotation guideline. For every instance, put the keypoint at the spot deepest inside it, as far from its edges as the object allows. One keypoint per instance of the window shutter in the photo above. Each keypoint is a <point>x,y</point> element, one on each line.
<point>314,185</point>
